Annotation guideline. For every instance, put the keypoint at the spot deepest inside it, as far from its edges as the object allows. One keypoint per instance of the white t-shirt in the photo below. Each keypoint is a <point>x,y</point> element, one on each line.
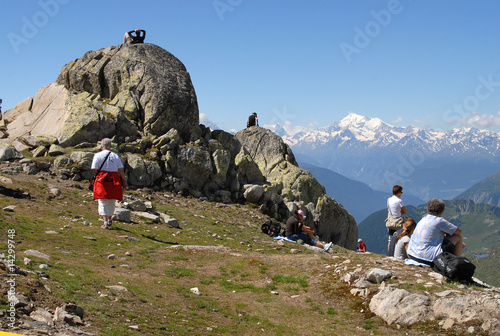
<point>395,204</point>
<point>112,164</point>
<point>399,250</point>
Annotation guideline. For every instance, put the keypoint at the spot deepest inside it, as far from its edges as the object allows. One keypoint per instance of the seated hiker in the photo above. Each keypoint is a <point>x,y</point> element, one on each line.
<point>403,239</point>
<point>253,120</point>
<point>295,227</point>
<point>361,245</point>
<point>434,235</point>
<point>134,36</point>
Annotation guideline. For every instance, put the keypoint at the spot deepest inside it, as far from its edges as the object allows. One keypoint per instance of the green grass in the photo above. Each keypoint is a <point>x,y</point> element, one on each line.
<point>301,281</point>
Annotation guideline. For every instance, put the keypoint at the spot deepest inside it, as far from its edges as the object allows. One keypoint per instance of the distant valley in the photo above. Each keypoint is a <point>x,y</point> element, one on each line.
<point>356,197</point>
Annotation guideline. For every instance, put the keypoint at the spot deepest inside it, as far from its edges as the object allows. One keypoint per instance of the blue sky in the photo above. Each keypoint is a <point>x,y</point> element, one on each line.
<point>432,64</point>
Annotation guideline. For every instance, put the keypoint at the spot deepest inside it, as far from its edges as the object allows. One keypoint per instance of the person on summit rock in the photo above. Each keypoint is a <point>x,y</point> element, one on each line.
<point>109,182</point>
<point>134,36</point>
<point>253,120</point>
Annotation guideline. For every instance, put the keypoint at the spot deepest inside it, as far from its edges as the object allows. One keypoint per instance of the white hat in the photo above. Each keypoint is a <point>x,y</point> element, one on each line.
<point>360,240</point>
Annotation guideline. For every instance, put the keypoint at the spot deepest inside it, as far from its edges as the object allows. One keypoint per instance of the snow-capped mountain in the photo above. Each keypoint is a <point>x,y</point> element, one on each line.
<point>427,163</point>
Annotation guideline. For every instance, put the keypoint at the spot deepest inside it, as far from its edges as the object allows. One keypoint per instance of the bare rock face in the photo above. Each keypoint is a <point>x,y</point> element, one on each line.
<point>124,92</point>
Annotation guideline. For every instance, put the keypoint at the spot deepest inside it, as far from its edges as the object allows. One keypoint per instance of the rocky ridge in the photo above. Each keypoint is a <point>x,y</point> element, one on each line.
<point>142,97</point>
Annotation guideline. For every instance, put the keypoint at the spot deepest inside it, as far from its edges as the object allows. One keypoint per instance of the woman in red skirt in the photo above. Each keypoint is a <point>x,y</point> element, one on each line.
<point>109,182</point>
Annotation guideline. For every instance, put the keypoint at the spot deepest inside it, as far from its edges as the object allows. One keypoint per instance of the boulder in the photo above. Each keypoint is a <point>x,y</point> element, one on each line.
<point>116,91</point>
<point>277,164</point>
<point>8,152</point>
<point>400,306</point>
<point>144,82</point>
<point>253,193</point>
<point>142,172</point>
<point>194,163</point>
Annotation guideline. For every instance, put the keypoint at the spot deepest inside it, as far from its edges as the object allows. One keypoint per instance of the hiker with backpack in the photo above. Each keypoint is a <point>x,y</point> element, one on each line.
<point>296,230</point>
<point>253,120</point>
<point>434,235</point>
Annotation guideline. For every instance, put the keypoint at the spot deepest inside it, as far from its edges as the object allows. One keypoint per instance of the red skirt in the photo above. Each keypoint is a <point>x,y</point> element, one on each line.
<point>108,185</point>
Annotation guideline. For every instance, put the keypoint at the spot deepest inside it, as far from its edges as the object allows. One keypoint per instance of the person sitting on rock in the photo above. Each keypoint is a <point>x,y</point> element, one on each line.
<point>296,230</point>
<point>253,120</point>
<point>134,36</point>
<point>403,239</point>
<point>361,245</point>
<point>434,235</point>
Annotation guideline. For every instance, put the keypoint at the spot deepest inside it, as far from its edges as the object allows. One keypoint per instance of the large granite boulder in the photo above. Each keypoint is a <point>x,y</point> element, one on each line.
<point>277,164</point>
<point>124,92</point>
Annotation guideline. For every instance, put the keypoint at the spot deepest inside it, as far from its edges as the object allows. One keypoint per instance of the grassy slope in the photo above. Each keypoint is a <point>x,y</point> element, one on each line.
<point>236,285</point>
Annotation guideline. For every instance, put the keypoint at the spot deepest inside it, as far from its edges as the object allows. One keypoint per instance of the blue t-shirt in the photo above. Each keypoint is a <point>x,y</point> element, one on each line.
<point>428,236</point>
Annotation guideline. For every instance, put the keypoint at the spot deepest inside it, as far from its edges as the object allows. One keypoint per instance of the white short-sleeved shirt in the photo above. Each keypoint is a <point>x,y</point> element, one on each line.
<point>395,204</point>
<point>112,164</point>
<point>399,250</point>
<point>428,236</point>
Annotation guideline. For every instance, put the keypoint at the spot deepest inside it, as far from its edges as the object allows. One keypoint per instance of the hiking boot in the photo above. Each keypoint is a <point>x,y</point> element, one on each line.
<point>327,246</point>
<point>106,225</point>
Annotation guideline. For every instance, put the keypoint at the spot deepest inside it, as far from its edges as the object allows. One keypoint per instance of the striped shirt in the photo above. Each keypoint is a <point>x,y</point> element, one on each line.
<point>428,236</point>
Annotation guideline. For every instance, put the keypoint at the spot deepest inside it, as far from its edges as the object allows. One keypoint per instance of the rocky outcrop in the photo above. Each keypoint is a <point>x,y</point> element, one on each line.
<point>141,96</point>
<point>124,92</point>
<point>428,296</point>
<point>277,163</point>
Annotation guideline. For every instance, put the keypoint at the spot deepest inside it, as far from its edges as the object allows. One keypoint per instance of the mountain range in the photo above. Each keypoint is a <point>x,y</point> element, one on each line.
<point>486,191</point>
<point>426,163</point>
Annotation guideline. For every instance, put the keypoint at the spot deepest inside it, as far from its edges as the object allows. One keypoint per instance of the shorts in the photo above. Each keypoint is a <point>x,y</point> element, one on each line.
<point>390,232</point>
<point>305,238</point>
<point>106,207</point>
<point>448,246</point>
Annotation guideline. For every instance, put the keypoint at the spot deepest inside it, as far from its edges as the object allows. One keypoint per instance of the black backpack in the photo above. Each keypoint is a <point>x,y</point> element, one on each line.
<point>272,229</point>
<point>453,267</point>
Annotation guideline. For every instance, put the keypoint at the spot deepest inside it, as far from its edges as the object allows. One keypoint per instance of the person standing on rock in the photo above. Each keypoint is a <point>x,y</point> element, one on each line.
<point>396,209</point>
<point>434,235</point>
<point>253,120</point>
<point>294,230</point>
<point>134,36</point>
<point>109,182</point>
